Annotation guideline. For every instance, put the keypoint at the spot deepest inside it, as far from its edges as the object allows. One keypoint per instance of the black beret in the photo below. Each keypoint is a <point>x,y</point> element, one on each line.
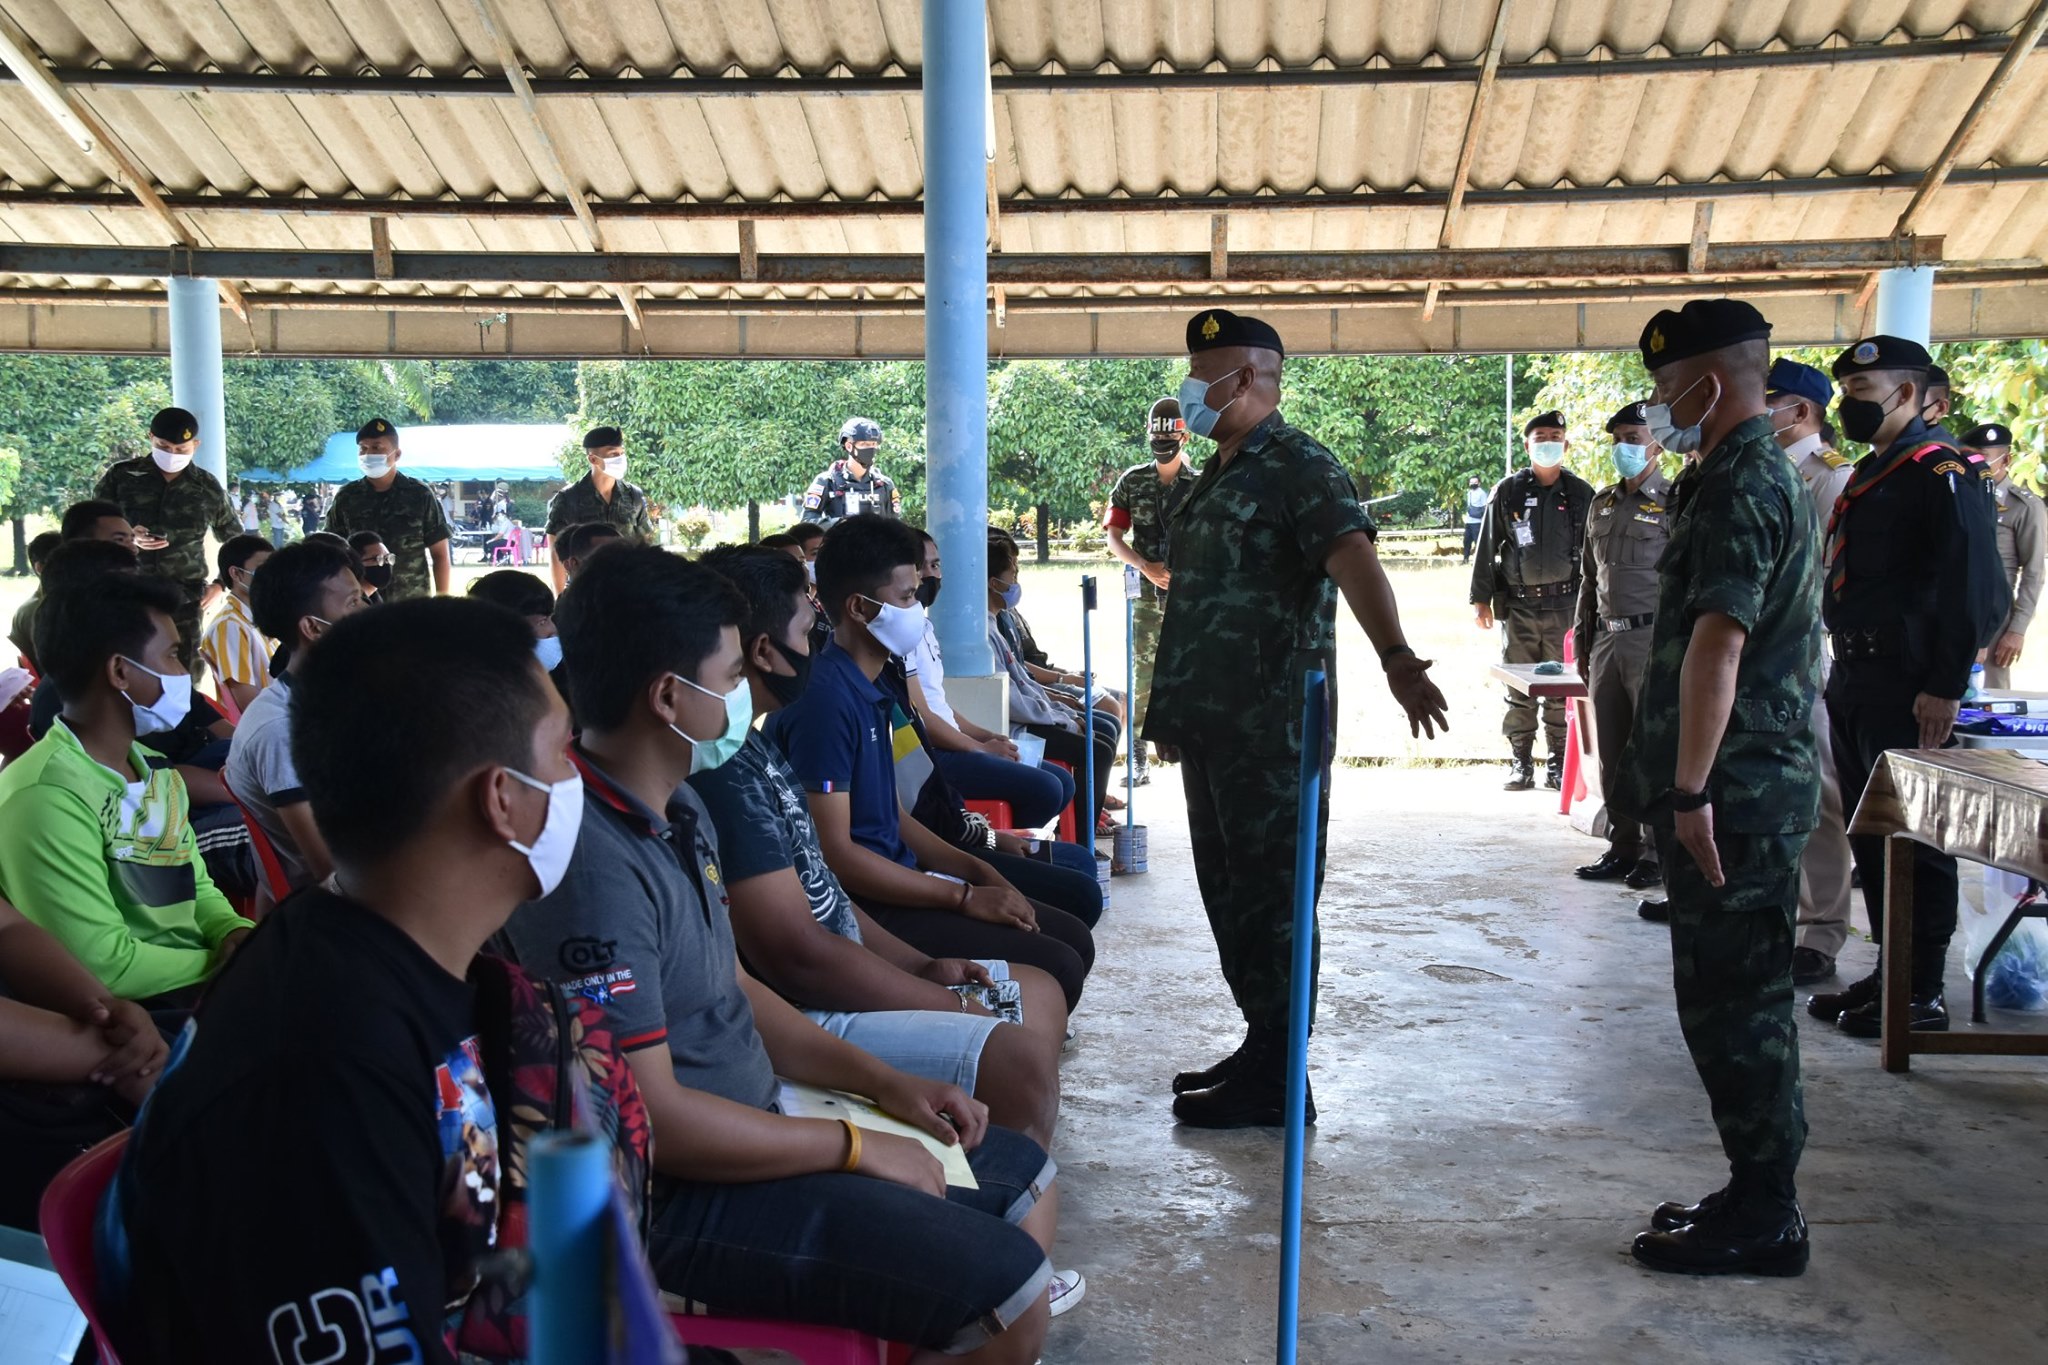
<point>1630,415</point>
<point>598,437</point>
<point>1882,353</point>
<point>1988,434</point>
<point>375,428</point>
<point>1701,326</point>
<point>1214,328</point>
<point>1937,378</point>
<point>174,425</point>
<point>1553,418</point>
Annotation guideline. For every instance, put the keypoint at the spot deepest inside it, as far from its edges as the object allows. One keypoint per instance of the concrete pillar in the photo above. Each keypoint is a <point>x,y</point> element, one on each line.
<point>956,324</point>
<point>1905,303</point>
<point>195,368</point>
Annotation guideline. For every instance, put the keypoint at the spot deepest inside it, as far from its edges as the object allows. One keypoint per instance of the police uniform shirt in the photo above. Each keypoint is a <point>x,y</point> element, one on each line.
<point>1824,471</point>
<point>1532,536</point>
<point>2022,532</point>
<point>836,494</point>
<point>1625,536</point>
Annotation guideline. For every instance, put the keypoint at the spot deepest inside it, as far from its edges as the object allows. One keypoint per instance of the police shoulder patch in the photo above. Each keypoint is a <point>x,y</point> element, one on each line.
<point>813,501</point>
<point>1835,459</point>
<point>1951,467</point>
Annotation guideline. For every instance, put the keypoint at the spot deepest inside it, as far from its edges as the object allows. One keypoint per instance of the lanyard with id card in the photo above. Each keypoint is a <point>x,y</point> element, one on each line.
<point>1525,534</point>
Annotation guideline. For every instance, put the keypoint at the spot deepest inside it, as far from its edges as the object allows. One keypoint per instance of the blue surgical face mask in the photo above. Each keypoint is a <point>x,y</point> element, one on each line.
<point>1630,460</point>
<point>549,651</point>
<point>1547,454</point>
<point>1011,596</point>
<point>1194,404</point>
<point>1677,440</point>
<point>706,754</point>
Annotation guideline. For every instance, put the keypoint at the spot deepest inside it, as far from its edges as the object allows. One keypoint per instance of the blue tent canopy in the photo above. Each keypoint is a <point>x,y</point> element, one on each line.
<point>484,452</point>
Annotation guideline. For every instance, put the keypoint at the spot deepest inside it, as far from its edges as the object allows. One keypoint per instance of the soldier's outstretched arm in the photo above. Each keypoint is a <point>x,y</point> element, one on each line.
<point>1354,565</point>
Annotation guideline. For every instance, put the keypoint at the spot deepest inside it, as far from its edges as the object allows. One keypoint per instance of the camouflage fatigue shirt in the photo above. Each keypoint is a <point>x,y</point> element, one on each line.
<point>1251,607</point>
<point>181,510</point>
<point>580,503</point>
<point>406,516</point>
<point>1141,507</point>
<point>1743,543</point>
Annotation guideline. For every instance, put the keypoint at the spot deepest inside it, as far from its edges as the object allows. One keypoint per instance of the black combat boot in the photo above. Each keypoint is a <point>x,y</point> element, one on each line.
<point>1521,767</point>
<point>1553,772</point>
<point>1830,1006</point>
<point>1254,1095</point>
<point>1753,1227</point>
<point>1213,1076</point>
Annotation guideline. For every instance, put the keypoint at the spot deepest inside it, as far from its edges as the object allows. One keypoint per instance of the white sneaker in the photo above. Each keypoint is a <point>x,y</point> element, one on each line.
<point>1067,1289</point>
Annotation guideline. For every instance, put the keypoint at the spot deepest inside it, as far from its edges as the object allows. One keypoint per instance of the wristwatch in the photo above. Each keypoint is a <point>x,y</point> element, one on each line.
<point>1393,652</point>
<point>1682,801</point>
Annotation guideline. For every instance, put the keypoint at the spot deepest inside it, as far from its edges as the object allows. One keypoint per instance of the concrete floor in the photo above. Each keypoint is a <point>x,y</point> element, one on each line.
<point>1504,1097</point>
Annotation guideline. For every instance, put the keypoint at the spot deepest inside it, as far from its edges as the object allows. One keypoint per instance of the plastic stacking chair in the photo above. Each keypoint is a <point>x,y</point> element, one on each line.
<point>998,813</point>
<point>274,878</point>
<point>69,1209</point>
<point>808,1344</point>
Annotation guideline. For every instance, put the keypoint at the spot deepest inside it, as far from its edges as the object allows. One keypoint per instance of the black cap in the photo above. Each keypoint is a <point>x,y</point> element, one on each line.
<point>374,429</point>
<point>174,425</point>
<point>1214,328</point>
<point>598,437</point>
<point>1937,378</point>
<point>1987,434</point>
<point>1703,325</point>
<point>1882,353</point>
<point>1631,415</point>
<point>1553,418</point>
<point>1164,422</point>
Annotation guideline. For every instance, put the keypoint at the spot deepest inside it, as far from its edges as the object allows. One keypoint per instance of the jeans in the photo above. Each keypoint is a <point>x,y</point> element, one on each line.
<point>1036,795</point>
<point>1066,747</point>
<point>1067,882</point>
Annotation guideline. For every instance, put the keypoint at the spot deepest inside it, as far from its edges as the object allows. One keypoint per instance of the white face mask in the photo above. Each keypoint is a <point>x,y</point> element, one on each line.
<point>615,466</point>
<point>170,461</point>
<point>810,573</point>
<point>169,709</point>
<point>548,650</point>
<point>376,466</point>
<point>897,629</point>
<point>1776,432</point>
<point>549,854</point>
<point>1547,454</point>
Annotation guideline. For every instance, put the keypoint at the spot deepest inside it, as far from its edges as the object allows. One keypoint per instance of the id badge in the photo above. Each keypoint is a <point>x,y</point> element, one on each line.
<point>1131,581</point>
<point>1525,534</point>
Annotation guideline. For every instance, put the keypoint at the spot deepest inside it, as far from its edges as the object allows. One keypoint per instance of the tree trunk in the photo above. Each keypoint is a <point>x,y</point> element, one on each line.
<point>1044,534</point>
<point>20,546</point>
<point>753,521</point>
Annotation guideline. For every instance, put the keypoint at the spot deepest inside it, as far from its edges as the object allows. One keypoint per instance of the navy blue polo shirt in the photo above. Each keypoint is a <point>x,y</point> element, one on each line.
<point>839,738</point>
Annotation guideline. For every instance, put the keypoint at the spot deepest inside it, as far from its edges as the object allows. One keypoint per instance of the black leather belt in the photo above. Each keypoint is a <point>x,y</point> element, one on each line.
<point>1867,642</point>
<point>1618,623</point>
<point>1541,591</point>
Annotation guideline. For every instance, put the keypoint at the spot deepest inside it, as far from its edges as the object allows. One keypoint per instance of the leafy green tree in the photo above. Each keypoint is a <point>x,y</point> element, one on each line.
<point>464,391</point>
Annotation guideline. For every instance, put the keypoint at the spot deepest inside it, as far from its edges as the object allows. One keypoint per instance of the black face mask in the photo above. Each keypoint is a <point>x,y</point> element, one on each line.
<point>786,688</point>
<point>1166,452</point>
<point>377,575</point>
<point>1861,418</point>
<point>928,589</point>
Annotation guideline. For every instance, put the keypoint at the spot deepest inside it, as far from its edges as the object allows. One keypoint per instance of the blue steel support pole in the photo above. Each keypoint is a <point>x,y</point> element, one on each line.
<point>1131,740</point>
<point>956,320</point>
<point>1084,799</point>
<point>1905,303</point>
<point>571,1175</point>
<point>1314,721</point>
<point>195,367</point>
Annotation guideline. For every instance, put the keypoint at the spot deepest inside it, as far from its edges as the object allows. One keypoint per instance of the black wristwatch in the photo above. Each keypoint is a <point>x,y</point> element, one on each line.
<point>1392,652</point>
<point>1682,801</point>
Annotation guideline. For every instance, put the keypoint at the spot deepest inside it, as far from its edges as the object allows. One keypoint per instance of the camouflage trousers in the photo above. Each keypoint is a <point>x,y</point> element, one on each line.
<point>1242,808</point>
<point>1532,633</point>
<point>1731,969</point>
<point>187,619</point>
<point>1146,614</point>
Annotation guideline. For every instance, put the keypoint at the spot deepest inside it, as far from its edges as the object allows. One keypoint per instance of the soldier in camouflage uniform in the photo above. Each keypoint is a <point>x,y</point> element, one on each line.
<point>1144,499</point>
<point>1725,772</point>
<point>601,497</point>
<point>172,504</point>
<point>1260,547</point>
<point>399,509</point>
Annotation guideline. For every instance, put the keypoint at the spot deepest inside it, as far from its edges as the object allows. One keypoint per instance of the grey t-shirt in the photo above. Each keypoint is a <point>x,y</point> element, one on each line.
<point>640,925</point>
<point>261,774</point>
<point>764,825</point>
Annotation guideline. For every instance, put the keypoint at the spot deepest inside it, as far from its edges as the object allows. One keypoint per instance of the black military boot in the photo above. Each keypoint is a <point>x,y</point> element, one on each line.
<point>1927,1013</point>
<point>1553,772</point>
<point>1753,1227</point>
<point>1213,1076</point>
<point>1832,1005</point>
<point>1254,1096</point>
<point>1521,767</point>
<point>1672,1215</point>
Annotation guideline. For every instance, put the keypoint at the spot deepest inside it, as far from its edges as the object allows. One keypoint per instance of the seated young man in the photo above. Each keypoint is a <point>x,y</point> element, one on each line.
<point>524,594</point>
<point>838,736</point>
<point>318,1175</point>
<point>236,651</point>
<point>802,934</point>
<point>97,519</point>
<point>302,593</point>
<point>573,548</point>
<point>376,560</point>
<point>21,630</point>
<point>96,840</point>
<point>755,1213</point>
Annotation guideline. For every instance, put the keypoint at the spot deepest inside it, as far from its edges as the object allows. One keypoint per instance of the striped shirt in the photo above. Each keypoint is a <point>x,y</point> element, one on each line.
<point>235,650</point>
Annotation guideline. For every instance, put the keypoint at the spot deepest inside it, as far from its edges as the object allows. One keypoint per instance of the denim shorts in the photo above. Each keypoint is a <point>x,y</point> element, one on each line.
<point>928,1043</point>
<point>852,1251</point>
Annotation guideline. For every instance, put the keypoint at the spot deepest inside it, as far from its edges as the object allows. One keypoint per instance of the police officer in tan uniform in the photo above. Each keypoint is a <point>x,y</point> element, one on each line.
<point>2022,532</point>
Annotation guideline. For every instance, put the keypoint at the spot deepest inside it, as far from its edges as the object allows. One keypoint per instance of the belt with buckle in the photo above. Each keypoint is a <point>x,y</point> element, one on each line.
<point>1540,591</point>
<point>1614,623</point>
<point>1867,642</point>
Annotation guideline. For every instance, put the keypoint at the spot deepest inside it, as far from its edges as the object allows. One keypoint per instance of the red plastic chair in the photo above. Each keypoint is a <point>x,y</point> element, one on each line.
<point>1066,829</point>
<point>808,1344</point>
<point>998,813</point>
<point>69,1208</point>
<point>1574,782</point>
<point>274,876</point>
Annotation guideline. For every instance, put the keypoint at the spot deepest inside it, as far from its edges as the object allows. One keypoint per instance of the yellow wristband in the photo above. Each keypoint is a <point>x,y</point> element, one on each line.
<point>852,1147</point>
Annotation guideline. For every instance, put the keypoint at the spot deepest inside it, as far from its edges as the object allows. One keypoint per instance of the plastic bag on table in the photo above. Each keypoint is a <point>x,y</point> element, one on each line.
<point>2017,979</point>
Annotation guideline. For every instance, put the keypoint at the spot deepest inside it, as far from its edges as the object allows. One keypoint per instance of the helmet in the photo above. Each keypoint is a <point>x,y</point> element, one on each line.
<point>860,429</point>
<point>1164,422</point>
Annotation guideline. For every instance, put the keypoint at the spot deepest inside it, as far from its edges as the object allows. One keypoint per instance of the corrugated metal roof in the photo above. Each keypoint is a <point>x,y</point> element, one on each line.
<point>1115,107</point>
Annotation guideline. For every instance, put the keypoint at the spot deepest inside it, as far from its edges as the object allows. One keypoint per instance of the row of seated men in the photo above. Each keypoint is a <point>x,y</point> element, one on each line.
<point>725,872</point>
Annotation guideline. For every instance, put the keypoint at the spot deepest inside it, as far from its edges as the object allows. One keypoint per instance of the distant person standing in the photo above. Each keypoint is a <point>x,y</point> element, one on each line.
<point>1525,577</point>
<point>172,504</point>
<point>602,496</point>
<point>1140,506</point>
<point>283,509</point>
<point>251,518</point>
<point>851,486</point>
<point>403,512</point>
<point>2021,524</point>
<point>309,511</point>
<point>1475,515</point>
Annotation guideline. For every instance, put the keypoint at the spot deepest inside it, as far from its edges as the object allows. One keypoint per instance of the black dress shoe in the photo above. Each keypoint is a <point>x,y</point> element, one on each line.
<point>1671,1216</point>
<point>1246,1100</point>
<point>1658,912</point>
<point>1216,1075</point>
<point>1830,1007</point>
<point>1644,875</point>
<point>1723,1243</point>
<point>1610,866</point>
<point>1928,1014</point>
<point>1810,965</point>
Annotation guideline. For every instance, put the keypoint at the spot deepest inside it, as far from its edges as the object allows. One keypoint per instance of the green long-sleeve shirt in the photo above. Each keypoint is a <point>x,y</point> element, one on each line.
<point>107,863</point>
